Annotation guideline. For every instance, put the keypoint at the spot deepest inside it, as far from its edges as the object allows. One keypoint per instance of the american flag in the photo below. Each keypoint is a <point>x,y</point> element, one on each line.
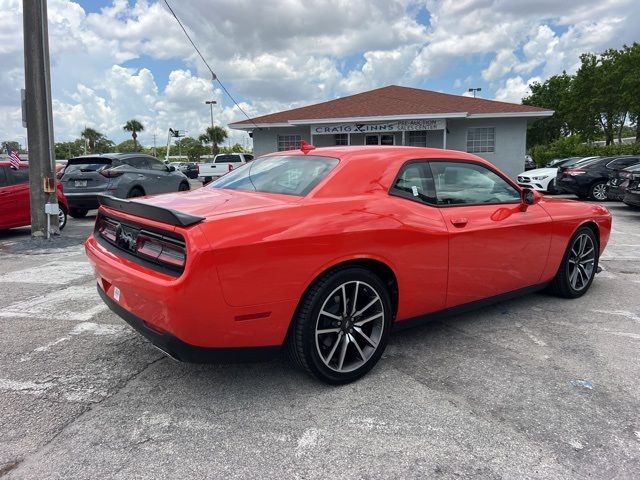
<point>14,159</point>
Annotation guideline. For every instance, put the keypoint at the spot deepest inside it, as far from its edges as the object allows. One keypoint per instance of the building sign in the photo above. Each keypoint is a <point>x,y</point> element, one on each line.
<point>397,126</point>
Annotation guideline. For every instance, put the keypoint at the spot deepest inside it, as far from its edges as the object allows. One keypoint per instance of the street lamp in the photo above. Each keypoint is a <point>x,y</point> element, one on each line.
<point>211,103</point>
<point>474,90</point>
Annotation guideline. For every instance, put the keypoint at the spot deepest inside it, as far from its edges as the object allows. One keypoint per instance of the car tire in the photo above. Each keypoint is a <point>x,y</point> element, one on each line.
<point>78,212</point>
<point>551,187</point>
<point>578,267</point>
<point>341,326</point>
<point>135,192</point>
<point>62,217</point>
<point>598,191</point>
<point>183,187</point>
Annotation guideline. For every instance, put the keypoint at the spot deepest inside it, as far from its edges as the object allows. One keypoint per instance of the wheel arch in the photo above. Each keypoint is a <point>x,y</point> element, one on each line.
<point>139,187</point>
<point>377,266</point>
<point>593,226</point>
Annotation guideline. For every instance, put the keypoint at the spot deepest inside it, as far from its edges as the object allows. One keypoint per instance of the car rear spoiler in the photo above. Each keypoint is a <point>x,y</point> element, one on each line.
<point>152,212</point>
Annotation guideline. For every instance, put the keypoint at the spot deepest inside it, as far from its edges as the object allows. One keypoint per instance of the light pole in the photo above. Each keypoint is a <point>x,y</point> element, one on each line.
<point>211,103</point>
<point>474,90</point>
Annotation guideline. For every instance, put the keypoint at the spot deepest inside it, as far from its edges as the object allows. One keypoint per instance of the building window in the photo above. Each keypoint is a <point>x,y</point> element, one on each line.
<point>288,142</point>
<point>341,138</point>
<point>417,138</point>
<point>481,139</point>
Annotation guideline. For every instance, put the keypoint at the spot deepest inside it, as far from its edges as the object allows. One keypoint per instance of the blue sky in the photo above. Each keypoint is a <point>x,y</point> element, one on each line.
<point>116,60</point>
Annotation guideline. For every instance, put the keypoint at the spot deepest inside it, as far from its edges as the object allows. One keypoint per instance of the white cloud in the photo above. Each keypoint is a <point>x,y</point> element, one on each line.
<point>515,89</point>
<point>287,53</point>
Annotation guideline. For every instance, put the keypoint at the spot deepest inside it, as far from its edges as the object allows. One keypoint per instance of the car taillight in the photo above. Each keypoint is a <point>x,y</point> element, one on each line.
<point>107,230</point>
<point>573,172</point>
<point>110,173</point>
<point>160,250</point>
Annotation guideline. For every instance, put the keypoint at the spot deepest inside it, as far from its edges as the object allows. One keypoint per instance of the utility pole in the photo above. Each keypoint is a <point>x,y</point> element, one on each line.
<point>154,145</point>
<point>211,103</point>
<point>42,188</point>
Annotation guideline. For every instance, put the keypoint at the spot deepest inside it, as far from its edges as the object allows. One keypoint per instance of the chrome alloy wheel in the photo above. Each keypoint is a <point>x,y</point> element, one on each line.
<point>600,191</point>
<point>582,257</point>
<point>349,326</point>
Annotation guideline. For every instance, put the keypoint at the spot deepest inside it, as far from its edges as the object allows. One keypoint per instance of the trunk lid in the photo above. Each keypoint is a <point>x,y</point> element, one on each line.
<point>211,202</point>
<point>83,175</point>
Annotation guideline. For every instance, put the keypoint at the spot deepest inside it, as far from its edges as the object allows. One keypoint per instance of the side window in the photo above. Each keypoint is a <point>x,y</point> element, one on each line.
<point>16,177</point>
<point>247,157</point>
<point>3,177</point>
<point>461,183</point>
<point>415,182</point>
<point>157,164</point>
<point>622,163</point>
<point>137,162</point>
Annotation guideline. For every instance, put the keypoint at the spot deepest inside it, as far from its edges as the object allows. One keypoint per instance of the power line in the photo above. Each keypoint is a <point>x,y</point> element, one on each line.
<point>213,75</point>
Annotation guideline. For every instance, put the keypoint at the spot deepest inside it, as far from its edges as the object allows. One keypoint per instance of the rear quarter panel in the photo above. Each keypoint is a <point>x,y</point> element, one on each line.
<point>568,216</point>
<point>274,256</point>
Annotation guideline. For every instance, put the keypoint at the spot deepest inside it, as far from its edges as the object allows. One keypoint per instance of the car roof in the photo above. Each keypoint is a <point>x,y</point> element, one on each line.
<point>113,156</point>
<point>6,163</point>
<point>363,169</point>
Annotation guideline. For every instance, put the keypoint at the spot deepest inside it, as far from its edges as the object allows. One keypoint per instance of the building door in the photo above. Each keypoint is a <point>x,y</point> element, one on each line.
<point>382,139</point>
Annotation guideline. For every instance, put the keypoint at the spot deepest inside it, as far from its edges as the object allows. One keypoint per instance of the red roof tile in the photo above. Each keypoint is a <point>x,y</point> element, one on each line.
<point>393,100</point>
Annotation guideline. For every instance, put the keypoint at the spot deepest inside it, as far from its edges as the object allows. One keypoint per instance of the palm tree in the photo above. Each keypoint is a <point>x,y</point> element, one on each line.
<point>214,135</point>
<point>92,137</point>
<point>134,126</point>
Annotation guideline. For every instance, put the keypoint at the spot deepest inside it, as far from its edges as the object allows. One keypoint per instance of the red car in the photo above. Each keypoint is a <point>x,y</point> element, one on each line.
<point>326,251</point>
<point>15,210</point>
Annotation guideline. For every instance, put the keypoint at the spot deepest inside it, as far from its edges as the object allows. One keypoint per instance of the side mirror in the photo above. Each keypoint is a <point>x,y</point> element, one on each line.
<point>529,197</point>
<point>171,168</point>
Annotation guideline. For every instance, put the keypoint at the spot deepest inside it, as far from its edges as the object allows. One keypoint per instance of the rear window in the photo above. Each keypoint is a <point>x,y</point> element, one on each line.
<point>77,165</point>
<point>288,175</point>
<point>228,159</point>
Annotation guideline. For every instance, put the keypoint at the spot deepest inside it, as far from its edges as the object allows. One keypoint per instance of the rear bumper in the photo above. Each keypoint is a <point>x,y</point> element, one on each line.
<point>84,200</point>
<point>185,352</point>
<point>616,192</point>
<point>570,185</point>
<point>632,198</point>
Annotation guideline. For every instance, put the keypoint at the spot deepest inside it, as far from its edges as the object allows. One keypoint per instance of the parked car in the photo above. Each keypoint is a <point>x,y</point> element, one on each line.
<point>325,251</point>
<point>632,192</point>
<point>529,163</point>
<point>541,179</point>
<point>619,181</point>
<point>222,164</point>
<point>588,179</point>
<point>191,170</point>
<point>556,162</point>
<point>123,175</point>
<point>15,208</point>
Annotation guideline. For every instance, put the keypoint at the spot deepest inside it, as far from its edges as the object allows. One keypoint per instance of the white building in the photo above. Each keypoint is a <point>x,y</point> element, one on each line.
<point>394,115</point>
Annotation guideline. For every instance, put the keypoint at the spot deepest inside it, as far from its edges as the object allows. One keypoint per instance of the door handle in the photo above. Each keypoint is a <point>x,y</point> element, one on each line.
<point>459,222</point>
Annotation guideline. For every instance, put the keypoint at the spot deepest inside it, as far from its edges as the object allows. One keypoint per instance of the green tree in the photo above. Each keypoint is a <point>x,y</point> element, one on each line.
<point>10,144</point>
<point>129,146</point>
<point>555,94</point>
<point>190,147</point>
<point>67,150</point>
<point>92,137</point>
<point>214,135</point>
<point>630,83</point>
<point>134,126</point>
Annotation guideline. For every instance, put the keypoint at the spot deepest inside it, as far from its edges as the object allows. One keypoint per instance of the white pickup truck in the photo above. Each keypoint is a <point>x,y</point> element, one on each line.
<point>222,164</point>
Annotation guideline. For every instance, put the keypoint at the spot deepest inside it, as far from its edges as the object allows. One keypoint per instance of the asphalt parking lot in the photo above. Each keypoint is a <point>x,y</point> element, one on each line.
<point>537,387</point>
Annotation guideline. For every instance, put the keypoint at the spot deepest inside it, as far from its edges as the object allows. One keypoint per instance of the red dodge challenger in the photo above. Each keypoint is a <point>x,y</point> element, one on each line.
<point>326,251</point>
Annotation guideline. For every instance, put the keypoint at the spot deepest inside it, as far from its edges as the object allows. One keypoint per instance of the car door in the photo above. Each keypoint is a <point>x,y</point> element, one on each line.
<point>495,245</point>
<point>167,181</point>
<point>423,256</point>
<point>14,197</point>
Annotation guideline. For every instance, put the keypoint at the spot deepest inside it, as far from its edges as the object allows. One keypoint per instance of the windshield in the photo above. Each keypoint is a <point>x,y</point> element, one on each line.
<point>88,164</point>
<point>288,175</point>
